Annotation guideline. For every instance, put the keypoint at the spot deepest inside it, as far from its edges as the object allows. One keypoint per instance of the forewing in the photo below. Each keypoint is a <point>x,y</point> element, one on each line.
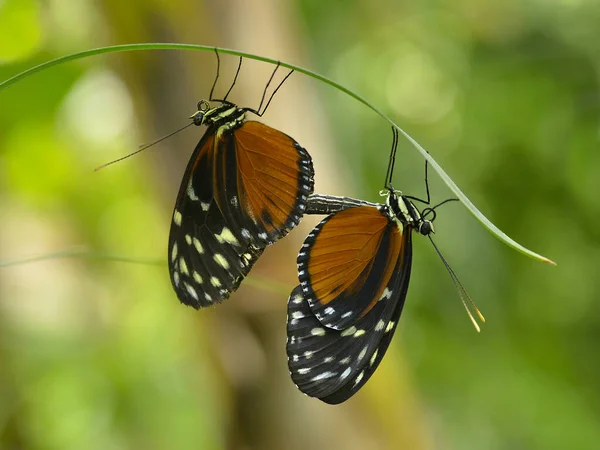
<point>207,258</point>
<point>346,263</point>
<point>333,365</point>
<point>263,179</point>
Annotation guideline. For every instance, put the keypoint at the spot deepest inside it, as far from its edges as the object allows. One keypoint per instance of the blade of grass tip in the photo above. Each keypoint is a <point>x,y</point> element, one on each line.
<point>471,207</point>
<point>174,46</point>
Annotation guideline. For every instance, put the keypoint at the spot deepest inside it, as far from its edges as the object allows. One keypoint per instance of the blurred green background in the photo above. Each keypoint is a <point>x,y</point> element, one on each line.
<point>98,354</point>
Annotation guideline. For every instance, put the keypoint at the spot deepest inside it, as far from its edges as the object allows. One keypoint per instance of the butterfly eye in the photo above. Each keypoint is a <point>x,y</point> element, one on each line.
<point>426,228</point>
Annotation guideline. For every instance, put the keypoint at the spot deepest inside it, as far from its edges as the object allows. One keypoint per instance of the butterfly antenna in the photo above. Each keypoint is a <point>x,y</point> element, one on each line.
<point>462,292</point>
<point>144,147</point>
<point>212,89</point>
<point>275,91</point>
<point>237,72</point>
<point>390,170</point>
<point>267,86</point>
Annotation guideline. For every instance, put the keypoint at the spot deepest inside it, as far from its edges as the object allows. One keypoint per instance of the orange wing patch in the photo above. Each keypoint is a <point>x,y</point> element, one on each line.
<point>268,174</point>
<point>344,252</point>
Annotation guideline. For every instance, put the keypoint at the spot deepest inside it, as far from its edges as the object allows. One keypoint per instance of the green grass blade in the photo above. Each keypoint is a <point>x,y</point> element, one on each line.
<point>255,281</point>
<point>172,46</point>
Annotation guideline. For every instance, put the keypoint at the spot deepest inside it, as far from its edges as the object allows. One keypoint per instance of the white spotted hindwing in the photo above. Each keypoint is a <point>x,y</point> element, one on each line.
<point>208,258</point>
<point>346,263</point>
<point>262,180</point>
<point>333,364</point>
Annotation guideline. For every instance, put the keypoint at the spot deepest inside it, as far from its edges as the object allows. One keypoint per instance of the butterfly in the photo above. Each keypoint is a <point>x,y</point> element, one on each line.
<point>246,186</point>
<point>354,270</point>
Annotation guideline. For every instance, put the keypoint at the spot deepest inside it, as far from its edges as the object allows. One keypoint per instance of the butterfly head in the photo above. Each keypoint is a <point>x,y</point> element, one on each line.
<point>225,115</point>
<point>198,116</point>
<point>402,210</point>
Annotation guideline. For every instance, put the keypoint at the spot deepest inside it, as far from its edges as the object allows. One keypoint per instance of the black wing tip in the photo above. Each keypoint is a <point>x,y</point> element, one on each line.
<point>325,381</point>
<point>201,304</point>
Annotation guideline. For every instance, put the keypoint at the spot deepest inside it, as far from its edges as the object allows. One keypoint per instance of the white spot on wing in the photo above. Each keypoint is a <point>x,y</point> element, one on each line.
<point>386,294</point>
<point>226,236</point>
<point>177,218</point>
<point>359,378</point>
<point>348,331</point>
<point>191,290</point>
<point>379,325</point>
<point>373,358</point>
<point>183,266</point>
<point>174,252</point>
<point>323,376</point>
<point>198,245</point>
<point>363,352</point>
<point>215,281</point>
<point>220,260</point>
<point>197,277</point>
<point>190,192</point>
<point>304,370</point>
<point>204,206</point>
<point>359,333</point>
<point>389,327</point>
<point>317,332</point>
<point>345,373</point>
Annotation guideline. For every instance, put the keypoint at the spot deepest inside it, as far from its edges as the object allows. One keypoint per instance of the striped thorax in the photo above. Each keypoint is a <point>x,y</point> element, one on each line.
<point>225,117</point>
<point>402,211</point>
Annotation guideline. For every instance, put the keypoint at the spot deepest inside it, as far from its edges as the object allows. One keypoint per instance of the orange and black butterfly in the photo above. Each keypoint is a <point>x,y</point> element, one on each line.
<point>354,270</point>
<point>246,185</point>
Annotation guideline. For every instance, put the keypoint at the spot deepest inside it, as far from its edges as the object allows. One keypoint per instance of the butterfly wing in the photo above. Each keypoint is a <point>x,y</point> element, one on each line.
<point>207,258</point>
<point>263,179</point>
<point>331,364</point>
<point>346,263</point>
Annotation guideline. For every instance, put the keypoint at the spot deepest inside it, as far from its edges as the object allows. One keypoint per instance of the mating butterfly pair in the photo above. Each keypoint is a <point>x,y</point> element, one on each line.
<point>245,186</point>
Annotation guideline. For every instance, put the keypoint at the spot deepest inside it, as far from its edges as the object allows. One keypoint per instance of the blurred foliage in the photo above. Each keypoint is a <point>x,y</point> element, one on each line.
<point>98,354</point>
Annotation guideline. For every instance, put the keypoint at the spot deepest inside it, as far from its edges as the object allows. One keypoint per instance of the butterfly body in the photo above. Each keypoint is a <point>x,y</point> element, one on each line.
<point>246,186</point>
<point>354,270</point>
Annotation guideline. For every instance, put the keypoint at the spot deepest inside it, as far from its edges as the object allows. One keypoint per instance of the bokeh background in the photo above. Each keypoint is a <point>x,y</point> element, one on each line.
<point>97,353</point>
